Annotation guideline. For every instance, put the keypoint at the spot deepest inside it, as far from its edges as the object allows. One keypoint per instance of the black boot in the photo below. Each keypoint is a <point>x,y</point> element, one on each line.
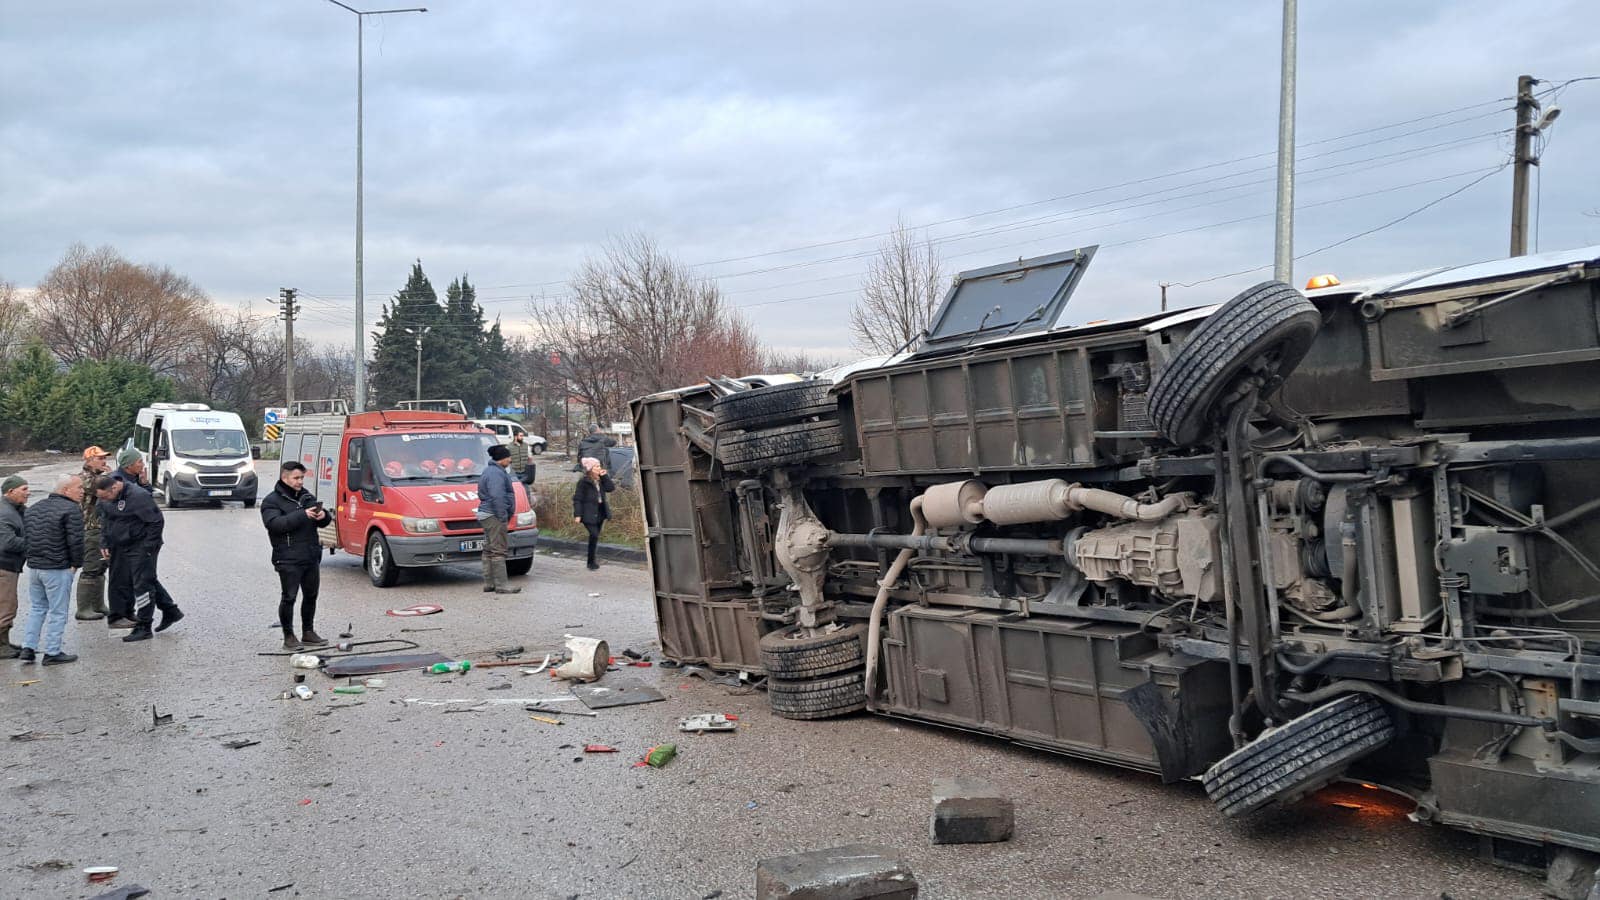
<point>140,632</point>
<point>169,619</point>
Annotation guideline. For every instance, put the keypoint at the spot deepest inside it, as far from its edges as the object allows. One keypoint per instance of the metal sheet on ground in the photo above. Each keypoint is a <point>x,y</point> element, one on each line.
<point>372,665</point>
<point>616,692</point>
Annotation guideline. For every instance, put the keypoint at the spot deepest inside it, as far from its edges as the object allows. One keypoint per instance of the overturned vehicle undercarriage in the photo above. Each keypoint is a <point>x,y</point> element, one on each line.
<point>1352,532</point>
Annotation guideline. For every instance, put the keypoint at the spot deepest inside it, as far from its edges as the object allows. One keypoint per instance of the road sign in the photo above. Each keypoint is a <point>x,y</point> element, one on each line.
<point>272,432</point>
<point>276,414</point>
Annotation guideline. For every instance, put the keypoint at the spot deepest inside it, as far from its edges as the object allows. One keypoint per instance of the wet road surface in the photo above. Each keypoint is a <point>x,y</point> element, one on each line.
<point>369,796</point>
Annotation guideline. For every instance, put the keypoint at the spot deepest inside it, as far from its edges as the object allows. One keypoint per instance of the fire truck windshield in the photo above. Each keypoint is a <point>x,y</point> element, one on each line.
<point>431,458</point>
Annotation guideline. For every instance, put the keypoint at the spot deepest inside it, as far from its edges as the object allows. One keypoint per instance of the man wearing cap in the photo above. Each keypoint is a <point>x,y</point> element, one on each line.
<point>92,578</point>
<point>497,503</point>
<point>130,467</point>
<point>132,533</point>
<point>55,551</point>
<point>13,552</point>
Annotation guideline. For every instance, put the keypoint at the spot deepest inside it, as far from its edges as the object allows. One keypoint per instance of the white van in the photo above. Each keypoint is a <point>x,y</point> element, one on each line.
<point>195,453</point>
<point>506,430</point>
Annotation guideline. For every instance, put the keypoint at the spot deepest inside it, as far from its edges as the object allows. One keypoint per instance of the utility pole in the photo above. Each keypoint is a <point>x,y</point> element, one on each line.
<point>1523,162</point>
<point>1164,286</point>
<point>290,310</point>
<point>1283,244</point>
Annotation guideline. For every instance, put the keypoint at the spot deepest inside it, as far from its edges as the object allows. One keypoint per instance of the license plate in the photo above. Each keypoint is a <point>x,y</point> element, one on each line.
<point>218,493</point>
<point>471,546</point>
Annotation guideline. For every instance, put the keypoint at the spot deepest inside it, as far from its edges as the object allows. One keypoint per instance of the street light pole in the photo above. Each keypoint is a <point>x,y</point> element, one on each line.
<point>419,331</point>
<point>1283,243</point>
<point>361,315</point>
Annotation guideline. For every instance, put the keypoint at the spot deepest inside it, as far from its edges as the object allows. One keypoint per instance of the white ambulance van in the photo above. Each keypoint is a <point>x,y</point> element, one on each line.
<point>195,454</point>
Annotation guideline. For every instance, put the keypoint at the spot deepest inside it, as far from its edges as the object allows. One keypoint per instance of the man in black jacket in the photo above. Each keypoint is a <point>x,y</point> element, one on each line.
<point>292,516</point>
<point>131,535</point>
<point>55,553</point>
<point>13,551</point>
<point>595,445</point>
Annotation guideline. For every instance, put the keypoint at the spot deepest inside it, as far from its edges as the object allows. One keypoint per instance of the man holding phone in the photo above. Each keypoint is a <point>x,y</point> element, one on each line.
<point>292,515</point>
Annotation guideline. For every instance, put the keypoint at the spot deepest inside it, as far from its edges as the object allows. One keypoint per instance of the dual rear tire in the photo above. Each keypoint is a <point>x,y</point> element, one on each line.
<point>819,676</point>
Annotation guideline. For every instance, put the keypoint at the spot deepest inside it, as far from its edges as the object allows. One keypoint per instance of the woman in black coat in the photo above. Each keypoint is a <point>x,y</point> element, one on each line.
<point>589,507</point>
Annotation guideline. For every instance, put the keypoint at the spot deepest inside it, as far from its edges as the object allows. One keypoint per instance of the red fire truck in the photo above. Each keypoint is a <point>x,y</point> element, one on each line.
<point>403,486</point>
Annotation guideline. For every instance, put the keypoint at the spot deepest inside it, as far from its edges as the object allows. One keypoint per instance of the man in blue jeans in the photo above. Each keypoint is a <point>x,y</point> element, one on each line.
<point>54,530</point>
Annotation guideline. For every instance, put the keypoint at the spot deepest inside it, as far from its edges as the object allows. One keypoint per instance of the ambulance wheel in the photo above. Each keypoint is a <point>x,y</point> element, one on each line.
<point>519,566</point>
<point>380,562</point>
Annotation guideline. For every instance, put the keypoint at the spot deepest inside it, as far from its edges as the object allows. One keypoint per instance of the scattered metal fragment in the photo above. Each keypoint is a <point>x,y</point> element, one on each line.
<point>617,692</point>
<point>545,719</point>
<point>159,719</point>
<point>703,722</point>
<point>239,744</point>
<point>543,708</point>
<point>281,887</point>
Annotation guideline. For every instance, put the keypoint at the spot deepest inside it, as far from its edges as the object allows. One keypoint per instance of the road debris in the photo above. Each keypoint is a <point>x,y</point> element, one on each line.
<point>619,691</point>
<point>544,708</point>
<point>598,748</point>
<point>34,736</point>
<point>658,756</point>
<point>239,744</point>
<point>350,689</point>
<point>700,724</point>
<point>545,719</point>
<point>587,659</point>
<point>281,887</point>
<point>126,892</point>
<point>304,692</point>
<point>159,719</point>
<point>26,683</point>
<point>415,609</point>
<point>100,873</point>
<point>358,665</point>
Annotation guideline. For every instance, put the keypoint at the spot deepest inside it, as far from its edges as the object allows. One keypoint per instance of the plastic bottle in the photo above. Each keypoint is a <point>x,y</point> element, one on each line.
<point>303,691</point>
<point>446,668</point>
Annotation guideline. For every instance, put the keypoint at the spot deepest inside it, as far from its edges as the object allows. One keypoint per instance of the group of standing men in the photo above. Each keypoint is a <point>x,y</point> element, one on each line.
<point>97,524</point>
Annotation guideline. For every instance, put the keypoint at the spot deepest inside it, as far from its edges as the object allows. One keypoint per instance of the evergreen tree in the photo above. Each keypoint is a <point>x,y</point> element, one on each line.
<point>392,375</point>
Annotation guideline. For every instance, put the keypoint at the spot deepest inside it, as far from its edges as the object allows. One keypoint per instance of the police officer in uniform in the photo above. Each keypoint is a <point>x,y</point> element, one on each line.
<point>131,535</point>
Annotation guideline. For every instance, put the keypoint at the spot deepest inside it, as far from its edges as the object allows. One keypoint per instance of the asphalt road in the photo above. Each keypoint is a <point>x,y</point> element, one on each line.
<point>370,796</point>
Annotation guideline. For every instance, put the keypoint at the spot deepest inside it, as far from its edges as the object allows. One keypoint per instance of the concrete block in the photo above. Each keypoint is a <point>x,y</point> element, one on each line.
<point>1573,875</point>
<point>970,811</point>
<point>852,872</point>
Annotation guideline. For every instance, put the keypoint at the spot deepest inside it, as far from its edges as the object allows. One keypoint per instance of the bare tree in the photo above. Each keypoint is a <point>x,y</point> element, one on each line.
<point>16,325</point>
<point>660,315</point>
<point>98,305</point>
<point>902,288</point>
<point>583,353</point>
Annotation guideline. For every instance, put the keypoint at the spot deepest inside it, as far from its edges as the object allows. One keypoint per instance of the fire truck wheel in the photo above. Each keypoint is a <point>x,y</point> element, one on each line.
<point>776,404</point>
<point>1266,330</point>
<point>818,698</point>
<point>1285,763</point>
<point>519,566</point>
<point>788,654</point>
<point>380,562</point>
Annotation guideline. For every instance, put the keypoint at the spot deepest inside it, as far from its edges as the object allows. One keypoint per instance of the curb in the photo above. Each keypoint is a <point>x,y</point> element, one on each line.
<point>614,552</point>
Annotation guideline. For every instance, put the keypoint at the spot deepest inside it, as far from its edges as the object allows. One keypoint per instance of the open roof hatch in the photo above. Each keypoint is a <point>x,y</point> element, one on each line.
<point>1022,297</point>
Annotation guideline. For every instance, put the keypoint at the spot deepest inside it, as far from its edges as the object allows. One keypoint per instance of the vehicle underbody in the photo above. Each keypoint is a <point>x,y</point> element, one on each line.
<point>1291,540</point>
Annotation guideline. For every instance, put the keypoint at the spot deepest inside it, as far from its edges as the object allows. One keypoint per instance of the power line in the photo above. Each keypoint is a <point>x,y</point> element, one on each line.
<point>1339,243</point>
<point>1134,182</point>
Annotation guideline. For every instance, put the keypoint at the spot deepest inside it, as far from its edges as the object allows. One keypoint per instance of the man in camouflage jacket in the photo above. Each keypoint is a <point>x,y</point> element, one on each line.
<point>92,578</point>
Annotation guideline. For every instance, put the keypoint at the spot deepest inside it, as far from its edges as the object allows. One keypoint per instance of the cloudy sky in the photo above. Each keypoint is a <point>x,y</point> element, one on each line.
<point>772,144</point>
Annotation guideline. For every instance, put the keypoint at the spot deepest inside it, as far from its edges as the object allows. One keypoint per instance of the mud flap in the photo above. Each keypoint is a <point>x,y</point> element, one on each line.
<point>1161,713</point>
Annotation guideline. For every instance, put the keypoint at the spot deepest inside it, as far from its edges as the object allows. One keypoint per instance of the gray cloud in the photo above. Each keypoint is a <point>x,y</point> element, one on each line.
<point>508,140</point>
